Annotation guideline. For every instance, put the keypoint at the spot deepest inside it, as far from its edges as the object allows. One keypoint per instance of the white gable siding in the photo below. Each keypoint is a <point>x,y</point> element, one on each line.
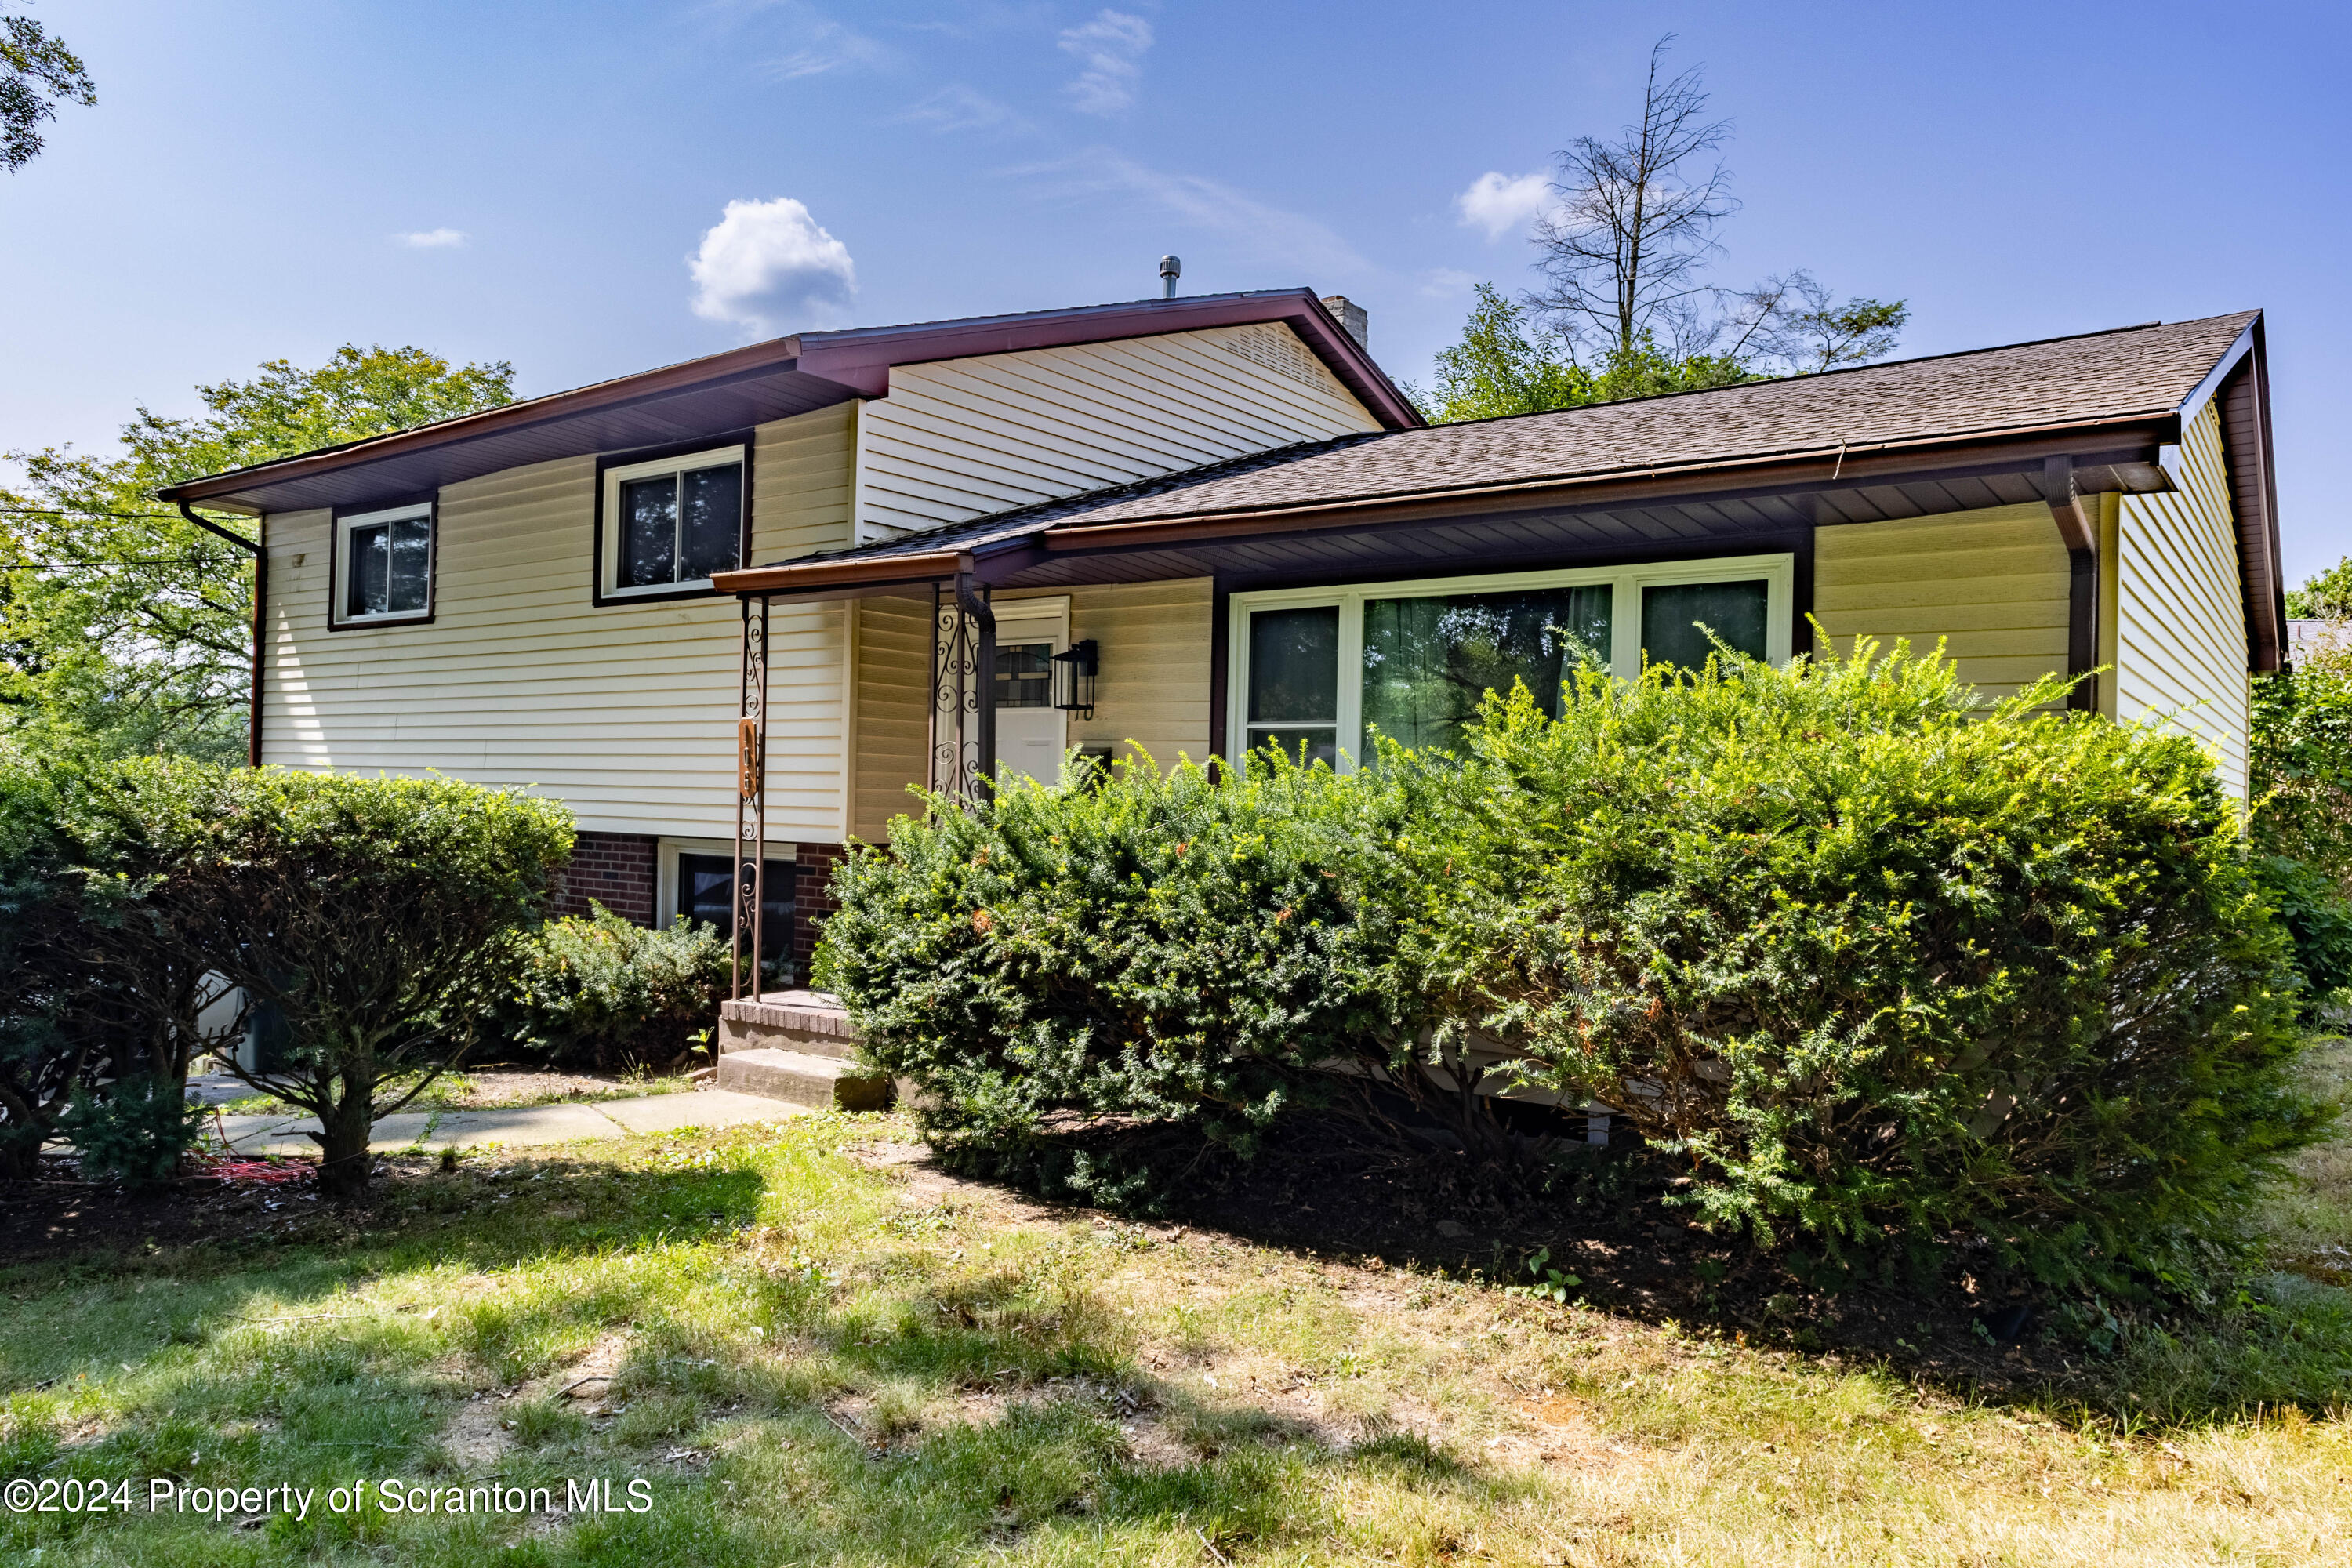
<point>625,714</point>
<point>961,439</point>
<point>2179,616</point>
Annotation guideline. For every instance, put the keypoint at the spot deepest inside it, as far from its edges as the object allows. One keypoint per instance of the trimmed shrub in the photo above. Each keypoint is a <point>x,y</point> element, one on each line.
<point>1877,962</point>
<point>604,992</point>
<point>1179,948</point>
<point>379,917</point>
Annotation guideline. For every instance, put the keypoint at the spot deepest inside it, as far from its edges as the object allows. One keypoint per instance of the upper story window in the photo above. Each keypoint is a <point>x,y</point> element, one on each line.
<point>383,566</point>
<point>671,522</point>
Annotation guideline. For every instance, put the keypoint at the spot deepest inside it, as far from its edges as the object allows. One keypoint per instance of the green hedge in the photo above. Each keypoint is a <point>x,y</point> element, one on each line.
<point>1872,963</point>
<point>601,991</point>
<point>1179,948</point>
<point>1876,961</point>
<point>376,917</point>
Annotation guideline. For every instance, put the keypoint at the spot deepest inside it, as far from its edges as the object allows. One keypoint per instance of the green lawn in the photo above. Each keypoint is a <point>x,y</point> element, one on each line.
<point>810,1351</point>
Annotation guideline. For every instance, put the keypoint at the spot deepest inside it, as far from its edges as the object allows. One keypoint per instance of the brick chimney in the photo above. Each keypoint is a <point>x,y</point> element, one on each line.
<point>1352,317</point>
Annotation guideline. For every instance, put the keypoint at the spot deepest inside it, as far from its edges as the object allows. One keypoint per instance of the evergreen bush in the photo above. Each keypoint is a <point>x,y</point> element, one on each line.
<point>379,917</point>
<point>40,1058</point>
<point>1175,949</point>
<point>1880,963</point>
<point>133,1131</point>
<point>602,993</point>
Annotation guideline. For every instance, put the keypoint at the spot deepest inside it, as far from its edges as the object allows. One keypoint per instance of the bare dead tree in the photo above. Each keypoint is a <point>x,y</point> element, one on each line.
<point>1626,247</point>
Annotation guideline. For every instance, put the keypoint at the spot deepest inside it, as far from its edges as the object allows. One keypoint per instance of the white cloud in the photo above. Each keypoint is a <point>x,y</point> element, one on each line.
<point>959,107</point>
<point>767,265</point>
<point>825,45</point>
<point>1500,202</point>
<point>1447,282</point>
<point>1254,231</point>
<point>1112,46</point>
<point>433,239</point>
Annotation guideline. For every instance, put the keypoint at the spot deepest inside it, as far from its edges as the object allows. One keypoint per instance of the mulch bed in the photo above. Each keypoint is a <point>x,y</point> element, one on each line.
<point>60,1214</point>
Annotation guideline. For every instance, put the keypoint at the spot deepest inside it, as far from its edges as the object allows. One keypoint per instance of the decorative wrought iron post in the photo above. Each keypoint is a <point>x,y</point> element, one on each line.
<point>964,689</point>
<point>750,800</point>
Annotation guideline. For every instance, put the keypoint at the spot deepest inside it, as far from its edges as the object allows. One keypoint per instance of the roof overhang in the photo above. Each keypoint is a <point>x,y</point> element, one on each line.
<point>1709,503</point>
<point>1701,500</point>
<point>747,386</point>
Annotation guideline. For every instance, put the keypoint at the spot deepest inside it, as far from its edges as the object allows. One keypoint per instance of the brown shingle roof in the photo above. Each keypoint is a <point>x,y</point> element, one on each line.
<point>2144,371</point>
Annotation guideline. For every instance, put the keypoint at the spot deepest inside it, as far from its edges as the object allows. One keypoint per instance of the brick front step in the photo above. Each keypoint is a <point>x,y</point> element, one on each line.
<point>819,1083</point>
<point>811,1022</point>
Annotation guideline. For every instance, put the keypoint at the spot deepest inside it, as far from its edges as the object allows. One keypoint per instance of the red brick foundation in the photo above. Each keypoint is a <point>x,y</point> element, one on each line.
<point>616,869</point>
<point>812,901</point>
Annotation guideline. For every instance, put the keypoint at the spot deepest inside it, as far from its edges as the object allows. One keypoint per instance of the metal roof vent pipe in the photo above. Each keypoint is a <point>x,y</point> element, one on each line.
<point>1171,269</point>
<point>1353,318</point>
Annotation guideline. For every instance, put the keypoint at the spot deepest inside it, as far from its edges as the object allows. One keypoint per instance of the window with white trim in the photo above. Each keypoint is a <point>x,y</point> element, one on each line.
<point>384,565</point>
<point>669,523</point>
<point>1311,670</point>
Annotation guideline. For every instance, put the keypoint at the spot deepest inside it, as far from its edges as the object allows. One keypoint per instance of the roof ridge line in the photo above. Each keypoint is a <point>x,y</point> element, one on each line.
<point>1842,370</point>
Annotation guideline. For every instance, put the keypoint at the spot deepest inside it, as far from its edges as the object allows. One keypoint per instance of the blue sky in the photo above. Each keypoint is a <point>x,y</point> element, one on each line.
<point>542,182</point>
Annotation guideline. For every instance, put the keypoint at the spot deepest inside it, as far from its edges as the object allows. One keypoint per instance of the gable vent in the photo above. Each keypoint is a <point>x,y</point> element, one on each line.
<point>1279,351</point>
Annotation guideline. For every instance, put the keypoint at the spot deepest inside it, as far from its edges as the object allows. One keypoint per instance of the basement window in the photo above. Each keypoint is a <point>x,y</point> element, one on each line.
<point>668,524</point>
<point>383,566</point>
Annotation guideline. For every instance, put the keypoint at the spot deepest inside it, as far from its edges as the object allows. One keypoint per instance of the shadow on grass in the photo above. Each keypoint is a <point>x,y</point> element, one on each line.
<point>1603,1219</point>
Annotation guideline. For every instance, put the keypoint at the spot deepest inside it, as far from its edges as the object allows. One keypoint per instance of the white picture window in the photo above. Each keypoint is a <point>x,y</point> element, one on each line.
<point>671,522</point>
<point>384,565</point>
<point>1312,668</point>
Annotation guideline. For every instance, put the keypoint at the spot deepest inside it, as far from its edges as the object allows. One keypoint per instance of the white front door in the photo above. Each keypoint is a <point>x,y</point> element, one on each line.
<point>1031,732</point>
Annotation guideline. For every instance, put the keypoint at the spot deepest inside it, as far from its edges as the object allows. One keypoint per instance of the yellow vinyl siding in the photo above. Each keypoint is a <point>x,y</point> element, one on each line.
<point>626,713</point>
<point>1154,639</point>
<point>963,439</point>
<point>1153,689</point>
<point>893,728</point>
<point>2180,622</point>
<point>1991,585</point>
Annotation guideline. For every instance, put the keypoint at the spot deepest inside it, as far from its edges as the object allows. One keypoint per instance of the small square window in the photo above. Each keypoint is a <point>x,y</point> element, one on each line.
<point>1024,675</point>
<point>673,522</point>
<point>384,565</point>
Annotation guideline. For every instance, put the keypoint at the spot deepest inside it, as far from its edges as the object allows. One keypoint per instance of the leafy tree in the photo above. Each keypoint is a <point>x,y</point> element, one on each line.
<point>126,628</point>
<point>2324,597</point>
<point>1804,329</point>
<point>1509,362</point>
<point>38,72</point>
<point>1505,364</point>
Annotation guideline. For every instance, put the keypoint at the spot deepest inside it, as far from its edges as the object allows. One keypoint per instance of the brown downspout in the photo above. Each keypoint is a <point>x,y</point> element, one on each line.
<point>260,598</point>
<point>2078,529</point>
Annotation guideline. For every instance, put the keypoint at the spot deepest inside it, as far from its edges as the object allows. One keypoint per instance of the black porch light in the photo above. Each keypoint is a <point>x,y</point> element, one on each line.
<point>1073,678</point>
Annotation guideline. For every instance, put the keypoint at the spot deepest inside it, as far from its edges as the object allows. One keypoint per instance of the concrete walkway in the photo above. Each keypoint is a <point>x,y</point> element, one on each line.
<point>437,1130</point>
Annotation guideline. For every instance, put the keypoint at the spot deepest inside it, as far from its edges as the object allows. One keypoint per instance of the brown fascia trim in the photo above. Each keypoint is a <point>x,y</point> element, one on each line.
<point>2130,442</point>
<point>758,359</point>
<point>859,361</point>
<point>871,572</point>
<point>862,358</point>
<point>1786,471</point>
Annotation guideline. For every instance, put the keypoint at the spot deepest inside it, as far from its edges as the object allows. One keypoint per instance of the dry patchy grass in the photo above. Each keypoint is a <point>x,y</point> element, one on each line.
<point>817,1346</point>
